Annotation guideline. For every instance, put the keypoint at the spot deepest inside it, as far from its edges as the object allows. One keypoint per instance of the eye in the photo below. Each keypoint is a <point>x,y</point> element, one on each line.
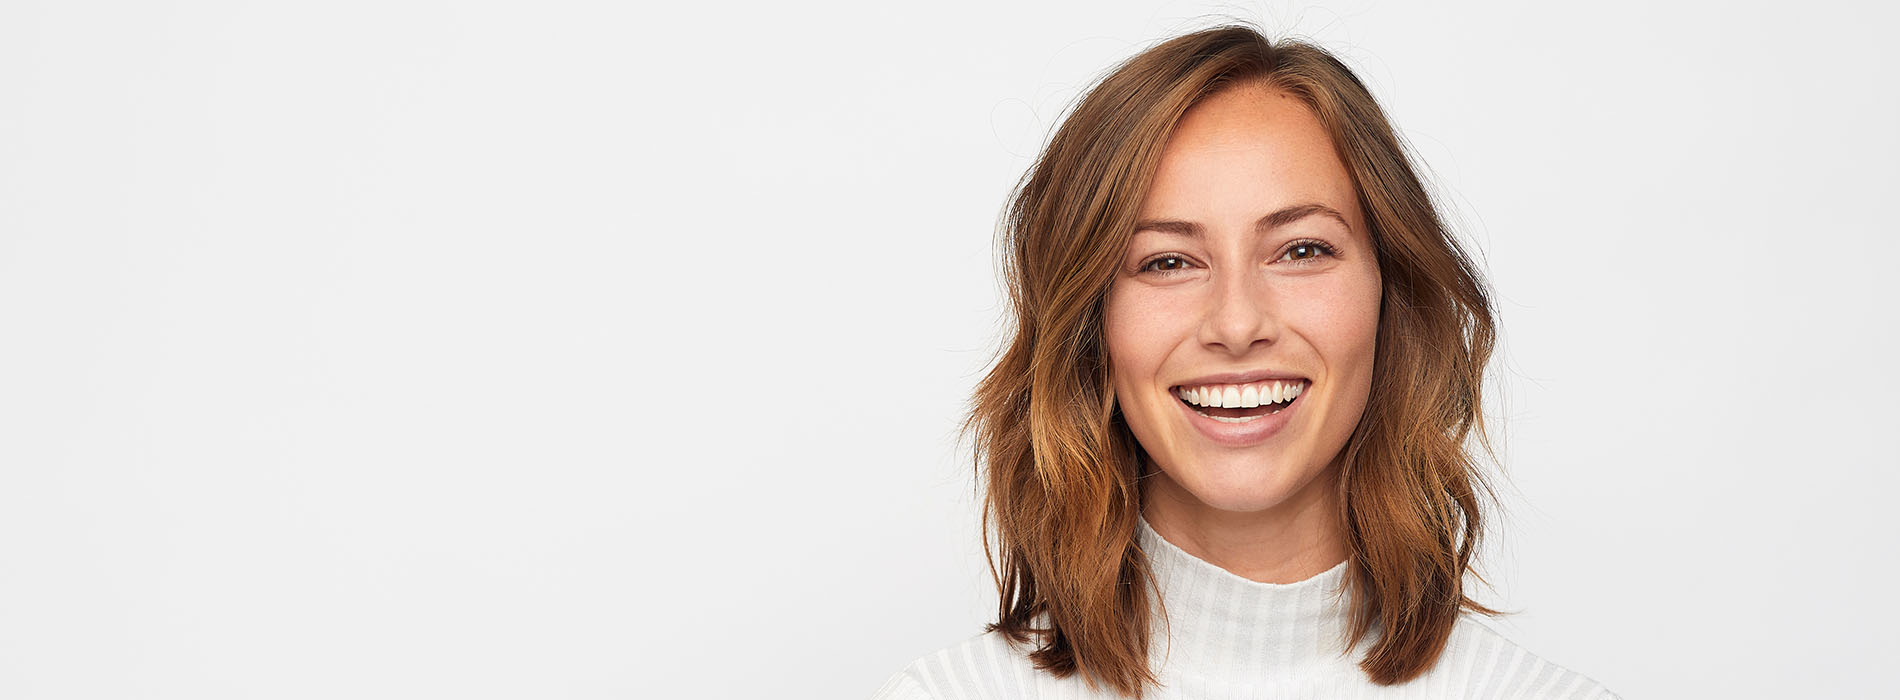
<point>1304,251</point>
<point>1164,264</point>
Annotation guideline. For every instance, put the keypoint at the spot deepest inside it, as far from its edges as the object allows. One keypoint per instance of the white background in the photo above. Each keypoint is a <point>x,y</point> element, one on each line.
<point>582,350</point>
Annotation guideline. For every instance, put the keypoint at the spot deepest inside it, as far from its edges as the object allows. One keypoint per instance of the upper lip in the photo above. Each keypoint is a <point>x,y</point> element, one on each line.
<point>1240,377</point>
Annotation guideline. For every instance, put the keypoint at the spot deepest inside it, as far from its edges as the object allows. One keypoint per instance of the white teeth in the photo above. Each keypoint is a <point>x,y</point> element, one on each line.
<point>1242,396</point>
<point>1243,419</point>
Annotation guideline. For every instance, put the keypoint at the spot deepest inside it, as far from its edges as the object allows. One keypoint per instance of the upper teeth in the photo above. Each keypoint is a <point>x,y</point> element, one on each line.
<point>1241,395</point>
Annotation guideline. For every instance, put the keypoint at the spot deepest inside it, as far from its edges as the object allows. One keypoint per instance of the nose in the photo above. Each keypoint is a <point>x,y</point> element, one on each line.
<point>1240,313</point>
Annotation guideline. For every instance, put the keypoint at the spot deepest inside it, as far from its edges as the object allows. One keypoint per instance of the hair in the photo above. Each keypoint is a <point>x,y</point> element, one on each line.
<point>1056,460</point>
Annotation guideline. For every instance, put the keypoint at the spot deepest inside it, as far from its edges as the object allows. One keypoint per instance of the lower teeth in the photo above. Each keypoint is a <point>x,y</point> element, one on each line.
<point>1243,419</point>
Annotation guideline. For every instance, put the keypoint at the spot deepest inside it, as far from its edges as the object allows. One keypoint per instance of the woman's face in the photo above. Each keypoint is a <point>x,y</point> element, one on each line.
<point>1252,263</point>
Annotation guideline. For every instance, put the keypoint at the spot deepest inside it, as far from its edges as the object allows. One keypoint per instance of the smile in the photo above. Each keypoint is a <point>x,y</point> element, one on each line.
<point>1241,415</point>
<point>1240,403</point>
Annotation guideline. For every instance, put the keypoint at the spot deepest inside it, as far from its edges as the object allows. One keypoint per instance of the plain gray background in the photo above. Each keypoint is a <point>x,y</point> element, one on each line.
<point>404,349</point>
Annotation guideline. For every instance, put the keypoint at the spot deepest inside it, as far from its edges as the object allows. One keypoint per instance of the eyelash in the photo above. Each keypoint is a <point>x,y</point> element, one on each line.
<point>1323,247</point>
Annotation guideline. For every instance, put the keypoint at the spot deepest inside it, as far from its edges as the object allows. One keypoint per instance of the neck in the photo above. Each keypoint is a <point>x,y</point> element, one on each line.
<point>1293,540</point>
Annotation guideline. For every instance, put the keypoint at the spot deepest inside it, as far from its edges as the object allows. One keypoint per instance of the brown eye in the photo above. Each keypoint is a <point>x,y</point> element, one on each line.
<point>1306,251</point>
<point>1164,264</point>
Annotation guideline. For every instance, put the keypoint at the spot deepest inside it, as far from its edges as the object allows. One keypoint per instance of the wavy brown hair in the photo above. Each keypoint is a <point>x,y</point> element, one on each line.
<point>1056,460</point>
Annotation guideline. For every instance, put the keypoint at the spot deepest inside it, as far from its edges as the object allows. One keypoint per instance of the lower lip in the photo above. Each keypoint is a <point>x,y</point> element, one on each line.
<point>1252,432</point>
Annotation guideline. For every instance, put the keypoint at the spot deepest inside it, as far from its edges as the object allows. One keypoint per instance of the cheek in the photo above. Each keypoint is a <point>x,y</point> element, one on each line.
<point>1141,326</point>
<point>1341,319</point>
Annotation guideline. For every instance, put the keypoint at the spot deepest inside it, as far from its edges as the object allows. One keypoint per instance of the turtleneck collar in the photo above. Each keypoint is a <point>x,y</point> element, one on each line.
<point>1229,626</point>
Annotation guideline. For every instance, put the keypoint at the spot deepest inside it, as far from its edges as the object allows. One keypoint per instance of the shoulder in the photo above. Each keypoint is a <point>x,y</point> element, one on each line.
<point>982,666</point>
<point>1480,662</point>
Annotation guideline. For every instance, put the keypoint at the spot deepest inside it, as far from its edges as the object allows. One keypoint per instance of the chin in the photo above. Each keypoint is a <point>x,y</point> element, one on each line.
<point>1239,486</point>
<point>1241,502</point>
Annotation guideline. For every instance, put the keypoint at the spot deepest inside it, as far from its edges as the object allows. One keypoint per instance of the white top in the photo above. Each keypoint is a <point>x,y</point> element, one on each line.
<point>1238,638</point>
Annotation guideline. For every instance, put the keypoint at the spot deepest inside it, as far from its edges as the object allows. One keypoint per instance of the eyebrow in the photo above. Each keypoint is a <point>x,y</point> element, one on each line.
<point>1266,223</point>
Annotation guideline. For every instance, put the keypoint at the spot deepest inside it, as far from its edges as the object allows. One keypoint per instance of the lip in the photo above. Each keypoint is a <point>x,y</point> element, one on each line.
<point>1252,432</point>
<point>1240,378</point>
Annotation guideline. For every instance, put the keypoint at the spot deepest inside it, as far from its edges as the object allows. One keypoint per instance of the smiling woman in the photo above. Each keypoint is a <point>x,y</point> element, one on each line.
<point>1224,452</point>
<point>1285,303</point>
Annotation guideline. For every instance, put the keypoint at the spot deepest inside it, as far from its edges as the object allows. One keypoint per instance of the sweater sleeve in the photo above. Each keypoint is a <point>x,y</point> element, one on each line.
<point>902,686</point>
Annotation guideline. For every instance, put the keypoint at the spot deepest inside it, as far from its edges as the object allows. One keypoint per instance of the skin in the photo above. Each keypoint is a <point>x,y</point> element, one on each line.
<point>1235,299</point>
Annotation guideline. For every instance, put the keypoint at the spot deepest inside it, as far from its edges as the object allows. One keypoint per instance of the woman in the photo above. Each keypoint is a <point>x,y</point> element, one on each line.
<point>1225,449</point>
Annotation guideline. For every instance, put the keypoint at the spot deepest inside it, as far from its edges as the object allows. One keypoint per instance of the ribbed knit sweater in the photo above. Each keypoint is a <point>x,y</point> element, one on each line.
<point>1238,638</point>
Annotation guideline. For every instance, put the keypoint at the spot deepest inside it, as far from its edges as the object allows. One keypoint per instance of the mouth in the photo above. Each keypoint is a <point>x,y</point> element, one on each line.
<point>1242,403</point>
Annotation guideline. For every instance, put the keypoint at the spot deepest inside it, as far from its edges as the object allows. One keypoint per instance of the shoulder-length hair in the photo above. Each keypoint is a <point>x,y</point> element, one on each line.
<point>1060,493</point>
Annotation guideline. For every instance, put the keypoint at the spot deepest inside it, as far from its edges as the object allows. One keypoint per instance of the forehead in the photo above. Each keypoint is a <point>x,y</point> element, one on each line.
<point>1244,151</point>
